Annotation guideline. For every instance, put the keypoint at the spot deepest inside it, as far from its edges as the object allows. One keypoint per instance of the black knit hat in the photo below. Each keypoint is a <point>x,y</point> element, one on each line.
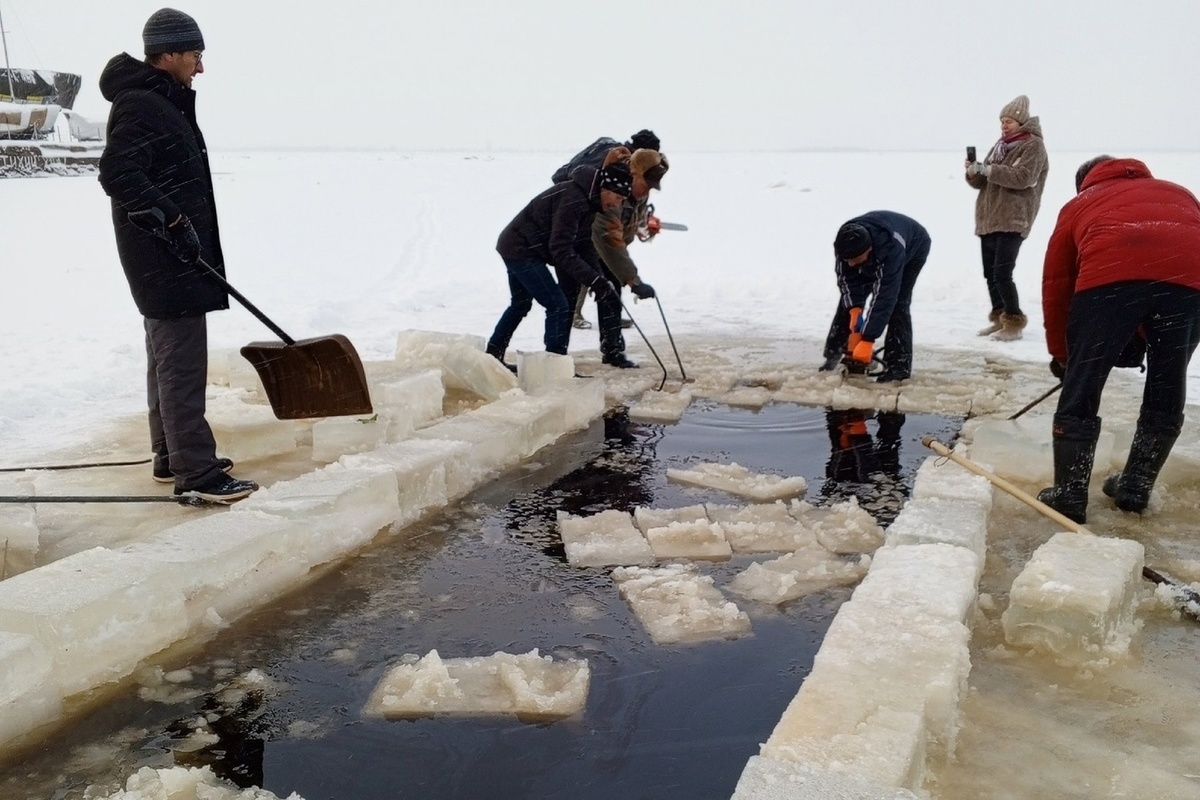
<point>852,241</point>
<point>617,178</point>
<point>644,139</point>
<point>171,31</point>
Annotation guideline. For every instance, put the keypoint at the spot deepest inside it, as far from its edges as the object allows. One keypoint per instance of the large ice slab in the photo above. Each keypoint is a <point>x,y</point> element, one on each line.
<point>676,604</point>
<point>809,569</point>
<point>740,481</point>
<point>28,697</point>
<point>410,399</point>
<point>844,528</point>
<point>334,437</point>
<point>682,533</point>
<point>541,419</point>
<point>768,779</point>
<point>97,613</point>
<point>247,431</point>
<point>656,406</point>
<point>606,539</point>
<point>338,508</point>
<point>528,685</point>
<point>942,478</point>
<point>930,520</point>
<point>760,528</point>
<point>1075,598</point>
<point>429,473</point>
<point>495,443</point>
<point>542,370</point>
<point>940,580</point>
<point>460,357</point>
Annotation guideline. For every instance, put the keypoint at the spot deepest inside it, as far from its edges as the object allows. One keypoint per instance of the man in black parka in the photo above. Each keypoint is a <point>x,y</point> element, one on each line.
<point>155,169</point>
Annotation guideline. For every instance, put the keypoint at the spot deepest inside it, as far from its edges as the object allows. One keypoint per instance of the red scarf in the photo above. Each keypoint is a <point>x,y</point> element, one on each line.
<point>1001,148</point>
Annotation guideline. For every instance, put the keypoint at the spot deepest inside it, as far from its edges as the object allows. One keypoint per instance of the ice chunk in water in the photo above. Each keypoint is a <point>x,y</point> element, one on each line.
<point>97,613</point>
<point>768,779</point>
<point>334,437</point>
<point>844,528</point>
<point>542,370</point>
<point>18,539</point>
<point>747,397</point>
<point>699,540</point>
<point>676,604</point>
<point>941,478</point>
<point>760,528</point>
<point>809,569</point>
<point>28,698</point>
<point>529,685</point>
<point>937,579</point>
<point>740,481</point>
<point>647,518</point>
<point>655,406</point>
<point>603,540</point>
<point>185,783</point>
<point>1075,598</point>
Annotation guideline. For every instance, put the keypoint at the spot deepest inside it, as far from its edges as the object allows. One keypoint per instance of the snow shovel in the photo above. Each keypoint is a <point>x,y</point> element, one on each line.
<point>319,377</point>
<point>1187,599</point>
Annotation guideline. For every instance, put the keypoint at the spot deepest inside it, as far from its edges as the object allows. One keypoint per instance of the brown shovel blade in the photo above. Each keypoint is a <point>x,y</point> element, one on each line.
<point>321,377</point>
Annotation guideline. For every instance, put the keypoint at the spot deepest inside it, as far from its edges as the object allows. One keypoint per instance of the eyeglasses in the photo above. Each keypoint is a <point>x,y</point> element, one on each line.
<point>199,54</point>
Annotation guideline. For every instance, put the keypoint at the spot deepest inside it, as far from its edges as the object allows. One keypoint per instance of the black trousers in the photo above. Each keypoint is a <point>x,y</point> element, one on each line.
<point>999,261</point>
<point>898,342</point>
<point>1102,321</point>
<point>608,310</point>
<point>176,376</point>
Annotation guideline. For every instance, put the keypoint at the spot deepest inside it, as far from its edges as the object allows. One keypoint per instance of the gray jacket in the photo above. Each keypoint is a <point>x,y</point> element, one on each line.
<point>1011,194</point>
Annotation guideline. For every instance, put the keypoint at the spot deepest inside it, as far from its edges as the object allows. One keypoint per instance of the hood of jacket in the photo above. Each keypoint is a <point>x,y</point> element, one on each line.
<point>126,72</point>
<point>588,179</point>
<point>1118,168</point>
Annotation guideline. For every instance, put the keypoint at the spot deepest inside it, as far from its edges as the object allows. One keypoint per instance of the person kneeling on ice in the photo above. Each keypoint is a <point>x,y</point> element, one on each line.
<point>879,255</point>
<point>1124,257</point>
<point>556,228</point>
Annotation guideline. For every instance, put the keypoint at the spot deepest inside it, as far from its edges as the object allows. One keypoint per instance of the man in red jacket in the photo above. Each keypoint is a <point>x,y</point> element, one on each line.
<point>1124,257</point>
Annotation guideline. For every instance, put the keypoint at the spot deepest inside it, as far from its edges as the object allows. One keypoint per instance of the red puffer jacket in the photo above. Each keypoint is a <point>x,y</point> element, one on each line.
<point>1124,225</point>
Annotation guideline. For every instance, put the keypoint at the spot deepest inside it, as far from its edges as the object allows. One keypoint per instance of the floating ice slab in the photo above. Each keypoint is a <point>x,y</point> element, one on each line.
<point>747,397</point>
<point>809,569</point>
<point>606,539</point>
<point>740,481</point>
<point>228,561</point>
<point>428,473</point>
<point>760,528</point>
<point>768,779</point>
<point>528,685</point>
<point>338,508</point>
<point>334,437</point>
<point>18,540</point>
<point>698,540</point>
<point>857,394</point>
<point>541,419</point>
<point>932,520</point>
<point>28,698</point>
<point>646,518</point>
<point>676,604</point>
<point>1075,598</point>
<point>583,401</point>
<point>844,528</point>
<point>97,613</point>
<point>495,443</point>
<point>942,478</point>
<point>655,406</point>
<point>186,783</point>
<point>542,370</point>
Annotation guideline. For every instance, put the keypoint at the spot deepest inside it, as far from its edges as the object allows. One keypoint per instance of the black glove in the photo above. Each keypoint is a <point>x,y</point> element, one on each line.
<point>184,242</point>
<point>602,288</point>
<point>644,291</point>
<point>1057,368</point>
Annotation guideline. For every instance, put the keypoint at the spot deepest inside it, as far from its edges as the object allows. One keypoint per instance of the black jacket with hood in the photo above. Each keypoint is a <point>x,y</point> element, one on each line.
<point>155,159</point>
<point>556,228</point>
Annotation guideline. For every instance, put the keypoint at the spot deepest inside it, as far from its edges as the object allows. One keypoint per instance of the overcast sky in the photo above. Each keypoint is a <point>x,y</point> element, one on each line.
<point>478,75</point>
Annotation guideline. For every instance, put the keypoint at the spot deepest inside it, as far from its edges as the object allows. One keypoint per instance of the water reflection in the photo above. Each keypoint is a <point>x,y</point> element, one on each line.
<point>231,737</point>
<point>863,464</point>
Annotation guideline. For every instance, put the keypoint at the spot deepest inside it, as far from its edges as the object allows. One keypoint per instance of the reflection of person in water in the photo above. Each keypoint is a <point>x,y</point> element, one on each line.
<point>237,754</point>
<point>861,465</point>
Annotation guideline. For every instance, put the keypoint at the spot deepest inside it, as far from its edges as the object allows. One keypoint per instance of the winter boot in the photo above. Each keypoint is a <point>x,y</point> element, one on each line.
<point>993,323</point>
<point>1074,452</point>
<point>1011,326</point>
<point>1152,443</point>
<point>830,363</point>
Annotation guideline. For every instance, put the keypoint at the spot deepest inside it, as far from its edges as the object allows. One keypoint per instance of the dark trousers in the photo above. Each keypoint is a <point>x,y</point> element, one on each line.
<point>999,260</point>
<point>176,376</point>
<point>530,280</point>
<point>608,317</point>
<point>1099,326</point>
<point>898,342</point>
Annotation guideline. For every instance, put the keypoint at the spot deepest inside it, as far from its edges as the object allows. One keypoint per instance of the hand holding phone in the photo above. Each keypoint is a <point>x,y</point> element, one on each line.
<point>971,154</point>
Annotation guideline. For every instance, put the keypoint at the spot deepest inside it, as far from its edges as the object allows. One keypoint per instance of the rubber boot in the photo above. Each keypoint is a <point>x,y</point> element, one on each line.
<point>1152,443</point>
<point>993,323</point>
<point>1074,453</point>
<point>1011,326</point>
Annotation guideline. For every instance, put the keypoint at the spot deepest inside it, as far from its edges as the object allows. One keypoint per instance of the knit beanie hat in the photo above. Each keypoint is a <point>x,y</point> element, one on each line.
<point>171,31</point>
<point>617,178</point>
<point>1018,109</point>
<point>852,241</point>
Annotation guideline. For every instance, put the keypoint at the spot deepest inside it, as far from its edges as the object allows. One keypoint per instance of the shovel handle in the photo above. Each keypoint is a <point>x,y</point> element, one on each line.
<point>253,309</point>
<point>1026,498</point>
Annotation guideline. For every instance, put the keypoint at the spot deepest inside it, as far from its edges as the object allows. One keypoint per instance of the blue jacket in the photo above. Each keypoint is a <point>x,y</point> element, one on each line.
<point>895,241</point>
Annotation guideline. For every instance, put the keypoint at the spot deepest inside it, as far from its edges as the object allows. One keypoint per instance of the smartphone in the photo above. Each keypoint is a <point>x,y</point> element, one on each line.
<point>971,154</point>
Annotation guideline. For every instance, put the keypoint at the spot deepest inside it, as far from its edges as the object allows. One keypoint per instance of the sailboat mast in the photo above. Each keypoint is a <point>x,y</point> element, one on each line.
<point>7,67</point>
